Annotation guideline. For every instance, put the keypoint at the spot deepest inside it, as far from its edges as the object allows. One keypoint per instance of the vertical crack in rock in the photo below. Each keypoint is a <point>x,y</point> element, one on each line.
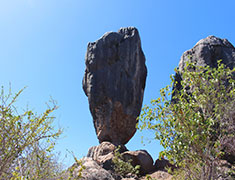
<point>114,82</point>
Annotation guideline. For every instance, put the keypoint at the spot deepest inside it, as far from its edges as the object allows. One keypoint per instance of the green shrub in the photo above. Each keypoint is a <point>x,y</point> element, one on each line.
<point>122,167</point>
<point>26,142</point>
<point>195,126</point>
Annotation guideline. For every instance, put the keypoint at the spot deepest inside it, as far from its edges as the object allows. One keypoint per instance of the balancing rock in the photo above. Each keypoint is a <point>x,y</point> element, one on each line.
<point>114,82</point>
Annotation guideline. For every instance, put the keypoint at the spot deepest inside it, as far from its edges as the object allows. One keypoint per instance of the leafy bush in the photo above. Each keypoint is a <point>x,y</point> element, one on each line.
<point>26,142</point>
<point>122,167</point>
<point>196,125</point>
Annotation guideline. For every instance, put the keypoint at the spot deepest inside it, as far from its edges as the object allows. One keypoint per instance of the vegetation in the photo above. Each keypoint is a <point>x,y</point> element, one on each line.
<point>196,123</point>
<point>123,168</point>
<point>26,142</point>
<point>75,171</point>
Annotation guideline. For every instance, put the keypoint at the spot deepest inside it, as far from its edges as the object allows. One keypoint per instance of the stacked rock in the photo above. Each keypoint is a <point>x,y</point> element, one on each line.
<point>114,82</point>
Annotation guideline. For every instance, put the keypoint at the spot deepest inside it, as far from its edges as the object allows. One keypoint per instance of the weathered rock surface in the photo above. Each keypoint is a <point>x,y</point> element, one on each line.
<point>142,158</point>
<point>208,51</point>
<point>104,153</point>
<point>102,149</point>
<point>114,82</point>
<point>92,171</point>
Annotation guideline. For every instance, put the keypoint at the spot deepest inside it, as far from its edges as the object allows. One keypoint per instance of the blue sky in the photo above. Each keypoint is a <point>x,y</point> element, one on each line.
<point>43,45</point>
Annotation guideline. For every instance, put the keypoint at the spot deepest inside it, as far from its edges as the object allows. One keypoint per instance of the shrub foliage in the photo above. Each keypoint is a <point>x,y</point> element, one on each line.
<point>26,141</point>
<point>196,123</point>
<point>122,167</point>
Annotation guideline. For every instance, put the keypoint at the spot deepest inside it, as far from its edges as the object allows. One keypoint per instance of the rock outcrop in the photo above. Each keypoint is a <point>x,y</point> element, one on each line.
<point>114,82</point>
<point>208,51</point>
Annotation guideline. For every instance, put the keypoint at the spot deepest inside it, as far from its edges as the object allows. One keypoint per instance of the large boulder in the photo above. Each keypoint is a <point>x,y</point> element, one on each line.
<point>140,157</point>
<point>114,82</point>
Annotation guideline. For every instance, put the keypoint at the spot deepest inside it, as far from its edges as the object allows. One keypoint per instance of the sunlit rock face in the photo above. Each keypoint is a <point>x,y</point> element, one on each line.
<point>208,51</point>
<point>114,82</point>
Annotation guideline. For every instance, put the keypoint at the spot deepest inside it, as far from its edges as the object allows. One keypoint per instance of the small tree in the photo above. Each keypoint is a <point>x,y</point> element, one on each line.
<point>26,141</point>
<point>196,125</point>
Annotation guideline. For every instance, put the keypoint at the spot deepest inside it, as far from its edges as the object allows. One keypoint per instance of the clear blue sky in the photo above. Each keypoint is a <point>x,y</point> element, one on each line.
<point>43,45</point>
